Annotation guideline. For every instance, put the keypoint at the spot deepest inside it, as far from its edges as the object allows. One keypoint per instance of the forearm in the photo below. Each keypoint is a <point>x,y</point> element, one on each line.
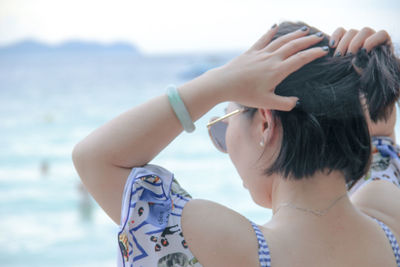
<point>136,136</point>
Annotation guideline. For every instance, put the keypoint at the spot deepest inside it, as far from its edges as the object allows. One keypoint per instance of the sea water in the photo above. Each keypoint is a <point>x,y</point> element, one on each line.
<point>51,101</point>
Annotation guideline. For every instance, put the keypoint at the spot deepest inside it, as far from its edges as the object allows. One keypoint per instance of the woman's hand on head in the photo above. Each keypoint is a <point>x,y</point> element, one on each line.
<point>250,79</point>
<point>351,41</point>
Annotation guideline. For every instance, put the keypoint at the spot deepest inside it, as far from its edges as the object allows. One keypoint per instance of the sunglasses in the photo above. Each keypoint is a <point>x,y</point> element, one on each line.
<point>217,129</point>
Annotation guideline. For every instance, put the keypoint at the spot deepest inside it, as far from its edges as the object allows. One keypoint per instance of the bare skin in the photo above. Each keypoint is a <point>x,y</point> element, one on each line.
<point>105,158</point>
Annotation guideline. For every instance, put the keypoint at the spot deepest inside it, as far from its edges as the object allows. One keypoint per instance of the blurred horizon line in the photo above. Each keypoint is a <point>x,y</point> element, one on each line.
<point>34,45</point>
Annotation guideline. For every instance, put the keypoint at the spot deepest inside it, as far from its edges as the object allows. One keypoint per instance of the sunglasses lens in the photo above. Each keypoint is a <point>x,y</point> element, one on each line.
<point>217,133</point>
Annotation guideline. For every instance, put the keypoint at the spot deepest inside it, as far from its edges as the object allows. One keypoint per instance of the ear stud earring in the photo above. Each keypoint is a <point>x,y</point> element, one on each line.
<point>262,142</point>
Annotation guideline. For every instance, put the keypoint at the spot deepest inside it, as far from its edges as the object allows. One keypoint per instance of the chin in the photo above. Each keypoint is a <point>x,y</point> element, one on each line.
<point>261,201</point>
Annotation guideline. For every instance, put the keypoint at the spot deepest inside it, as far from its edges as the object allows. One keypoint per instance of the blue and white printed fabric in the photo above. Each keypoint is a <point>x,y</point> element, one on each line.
<point>150,233</point>
<point>385,164</point>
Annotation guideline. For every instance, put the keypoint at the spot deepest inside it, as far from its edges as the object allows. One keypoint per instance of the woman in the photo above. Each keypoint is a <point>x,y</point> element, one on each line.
<point>296,161</point>
<point>371,193</point>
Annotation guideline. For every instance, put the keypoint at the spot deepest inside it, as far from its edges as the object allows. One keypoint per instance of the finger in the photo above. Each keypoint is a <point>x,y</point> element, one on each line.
<point>300,59</point>
<point>277,43</point>
<point>359,40</point>
<point>299,44</point>
<point>284,103</point>
<point>381,37</point>
<point>341,49</point>
<point>265,39</point>
<point>336,36</point>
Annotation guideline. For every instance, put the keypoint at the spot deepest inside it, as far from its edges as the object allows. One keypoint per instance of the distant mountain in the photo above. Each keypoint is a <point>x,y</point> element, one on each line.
<point>31,46</point>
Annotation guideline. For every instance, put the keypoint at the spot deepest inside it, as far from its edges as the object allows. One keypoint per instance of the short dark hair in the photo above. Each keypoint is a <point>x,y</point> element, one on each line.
<point>328,131</point>
<point>380,80</point>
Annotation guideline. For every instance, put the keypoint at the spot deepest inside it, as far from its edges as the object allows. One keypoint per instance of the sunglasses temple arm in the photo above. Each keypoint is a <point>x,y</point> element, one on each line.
<point>224,117</point>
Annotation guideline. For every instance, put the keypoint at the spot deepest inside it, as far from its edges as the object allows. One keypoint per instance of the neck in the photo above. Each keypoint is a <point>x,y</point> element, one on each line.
<point>317,193</point>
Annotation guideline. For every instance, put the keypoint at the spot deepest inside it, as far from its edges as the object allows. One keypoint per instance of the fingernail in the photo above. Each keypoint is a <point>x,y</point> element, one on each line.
<point>349,54</point>
<point>274,26</point>
<point>304,28</point>
<point>338,54</point>
<point>325,48</point>
<point>332,43</point>
<point>319,34</point>
<point>364,50</point>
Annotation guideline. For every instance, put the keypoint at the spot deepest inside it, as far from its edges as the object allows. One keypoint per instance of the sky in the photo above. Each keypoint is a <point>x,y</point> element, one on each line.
<point>184,25</point>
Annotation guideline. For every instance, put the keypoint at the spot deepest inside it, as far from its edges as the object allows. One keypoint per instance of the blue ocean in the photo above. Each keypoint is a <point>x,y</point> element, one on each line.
<point>49,101</point>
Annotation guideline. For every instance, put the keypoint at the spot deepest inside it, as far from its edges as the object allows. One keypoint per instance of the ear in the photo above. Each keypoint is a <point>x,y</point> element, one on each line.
<point>268,125</point>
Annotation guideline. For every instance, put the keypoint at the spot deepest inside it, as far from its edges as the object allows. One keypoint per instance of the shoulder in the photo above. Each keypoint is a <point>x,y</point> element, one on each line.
<point>380,199</point>
<point>378,193</point>
<point>219,236</point>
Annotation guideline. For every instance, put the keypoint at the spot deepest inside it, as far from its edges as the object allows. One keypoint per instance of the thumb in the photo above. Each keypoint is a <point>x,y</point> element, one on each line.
<point>284,103</point>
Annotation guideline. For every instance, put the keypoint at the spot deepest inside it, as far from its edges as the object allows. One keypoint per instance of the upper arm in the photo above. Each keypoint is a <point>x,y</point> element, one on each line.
<point>380,199</point>
<point>104,181</point>
<point>218,236</point>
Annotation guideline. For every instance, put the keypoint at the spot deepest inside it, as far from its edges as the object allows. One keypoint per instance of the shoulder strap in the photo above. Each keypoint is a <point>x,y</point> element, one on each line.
<point>263,250</point>
<point>392,240</point>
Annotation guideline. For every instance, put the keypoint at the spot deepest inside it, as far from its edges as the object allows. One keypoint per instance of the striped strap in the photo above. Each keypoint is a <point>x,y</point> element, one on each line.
<point>392,240</point>
<point>263,250</point>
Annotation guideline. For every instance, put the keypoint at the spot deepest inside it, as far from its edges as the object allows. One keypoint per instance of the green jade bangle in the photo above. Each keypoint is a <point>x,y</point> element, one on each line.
<point>179,108</point>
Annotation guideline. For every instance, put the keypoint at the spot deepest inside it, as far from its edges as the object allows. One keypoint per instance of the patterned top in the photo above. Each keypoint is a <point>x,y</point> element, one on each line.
<point>385,163</point>
<point>150,233</point>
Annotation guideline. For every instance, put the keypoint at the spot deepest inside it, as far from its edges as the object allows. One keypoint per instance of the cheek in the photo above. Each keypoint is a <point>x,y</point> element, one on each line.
<point>241,151</point>
<point>236,146</point>
<point>232,140</point>
<point>233,145</point>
